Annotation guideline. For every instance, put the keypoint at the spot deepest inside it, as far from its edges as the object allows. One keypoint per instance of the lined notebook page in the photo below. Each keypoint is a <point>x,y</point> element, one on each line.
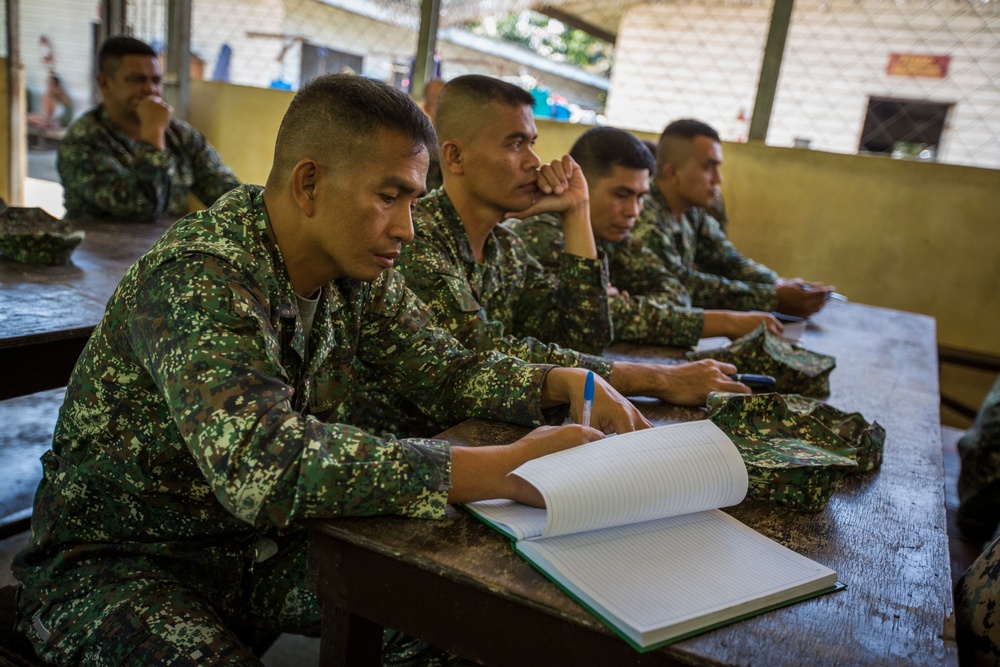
<point>521,521</point>
<point>675,575</point>
<point>634,477</point>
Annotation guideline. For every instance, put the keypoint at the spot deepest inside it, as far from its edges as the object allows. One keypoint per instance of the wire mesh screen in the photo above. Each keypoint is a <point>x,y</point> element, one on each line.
<point>3,29</point>
<point>914,79</point>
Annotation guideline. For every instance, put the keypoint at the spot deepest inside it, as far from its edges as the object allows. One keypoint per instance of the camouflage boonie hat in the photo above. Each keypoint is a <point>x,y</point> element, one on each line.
<point>796,449</point>
<point>795,370</point>
<point>32,236</point>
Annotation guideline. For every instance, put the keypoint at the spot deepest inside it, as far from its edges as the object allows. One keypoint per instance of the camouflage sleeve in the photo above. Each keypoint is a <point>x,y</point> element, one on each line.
<point>979,475</point>
<point>717,255</point>
<point>265,462</point>
<point>707,290</point>
<point>97,180</point>
<point>635,269</point>
<point>443,287</point>
<point>542,237</point>
<point>432,369</point>
<point>648,321</point>
<point>568,307</point>
<point>212,178</point>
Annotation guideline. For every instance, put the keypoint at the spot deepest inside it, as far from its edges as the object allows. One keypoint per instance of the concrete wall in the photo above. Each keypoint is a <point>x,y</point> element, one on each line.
<point>702,59</point>
<point>5,192</point>
<point>908,235</point>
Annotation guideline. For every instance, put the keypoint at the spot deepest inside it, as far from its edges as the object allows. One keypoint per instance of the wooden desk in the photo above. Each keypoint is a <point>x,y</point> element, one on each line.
<point>48,312</point>
<point>458,584</point>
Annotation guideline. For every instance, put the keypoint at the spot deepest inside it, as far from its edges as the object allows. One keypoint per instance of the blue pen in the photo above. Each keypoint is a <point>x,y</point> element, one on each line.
<point>588,398</point>
<point>755,381</point>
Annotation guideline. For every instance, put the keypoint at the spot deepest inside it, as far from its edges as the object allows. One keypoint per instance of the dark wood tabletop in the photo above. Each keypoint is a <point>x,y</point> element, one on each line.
<point>48,312</point>
<point>459,584</point>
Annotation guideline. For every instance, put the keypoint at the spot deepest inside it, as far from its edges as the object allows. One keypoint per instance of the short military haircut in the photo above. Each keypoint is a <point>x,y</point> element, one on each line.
<point>601,149</point>
<point>463,98</point>
<point>334,116</point>
<point>676,140</point>
<point>109,58</point>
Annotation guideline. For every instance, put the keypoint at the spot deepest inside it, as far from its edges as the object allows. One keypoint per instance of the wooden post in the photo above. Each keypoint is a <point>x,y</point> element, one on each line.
<point>770,66</point>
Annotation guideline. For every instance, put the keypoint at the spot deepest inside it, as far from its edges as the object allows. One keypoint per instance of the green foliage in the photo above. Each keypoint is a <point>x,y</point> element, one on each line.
<point>551,39</point>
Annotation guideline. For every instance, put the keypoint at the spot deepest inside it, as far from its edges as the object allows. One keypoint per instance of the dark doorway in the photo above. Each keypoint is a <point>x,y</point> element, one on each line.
<point>903,128</point>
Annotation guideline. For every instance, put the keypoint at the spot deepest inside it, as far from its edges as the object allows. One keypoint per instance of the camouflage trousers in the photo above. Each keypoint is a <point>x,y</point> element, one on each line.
<point>979,477</point>
<point>154,619</point>
<point>977,610</point>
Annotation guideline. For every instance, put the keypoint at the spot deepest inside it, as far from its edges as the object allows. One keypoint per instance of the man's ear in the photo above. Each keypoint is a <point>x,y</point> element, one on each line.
<point>451,157</point>
<point>102,82</point>
<point>305,175</point>
<point>669,171</point>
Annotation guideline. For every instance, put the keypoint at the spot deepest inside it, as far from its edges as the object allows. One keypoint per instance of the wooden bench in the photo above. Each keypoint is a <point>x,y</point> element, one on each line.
<point>39,137</point>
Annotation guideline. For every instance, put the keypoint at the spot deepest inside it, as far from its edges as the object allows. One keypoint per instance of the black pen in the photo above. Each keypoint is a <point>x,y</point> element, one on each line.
<point>754,381</point>
<point>829,295</point>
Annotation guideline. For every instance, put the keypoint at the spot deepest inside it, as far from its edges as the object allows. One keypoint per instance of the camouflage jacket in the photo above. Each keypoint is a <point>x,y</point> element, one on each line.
<point>509,302</point>
<point>107,174</point>
<point>656,310</point>
<point>695,250</point>
<point>193,419</point>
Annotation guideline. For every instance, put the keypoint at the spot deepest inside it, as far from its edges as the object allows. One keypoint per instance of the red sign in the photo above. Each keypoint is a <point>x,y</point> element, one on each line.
<point>912,64</point>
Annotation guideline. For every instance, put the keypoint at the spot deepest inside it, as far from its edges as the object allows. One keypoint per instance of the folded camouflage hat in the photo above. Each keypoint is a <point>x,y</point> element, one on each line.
<point>796,370</point>
<point>796,449</point>
<point>32,236</point>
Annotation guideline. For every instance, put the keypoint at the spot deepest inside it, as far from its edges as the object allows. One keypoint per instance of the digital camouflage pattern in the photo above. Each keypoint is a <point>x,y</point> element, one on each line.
<point>192,437</point>
<point>107,174</point>
<point>977,609</point>
<point>32,236</point>
<point>796,449</point>
<point>509,303</point>
<point>795,369</point>
<point>656,310</point>
<point>696,250</point>
<point>979,476</point>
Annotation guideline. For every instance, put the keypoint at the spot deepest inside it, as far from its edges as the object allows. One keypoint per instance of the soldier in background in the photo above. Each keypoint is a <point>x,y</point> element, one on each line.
<point>193,434</point>
<point>676,227</point>
<point>977,593</point>
<point>129,158</point>
<point>484,287</point>
<point>648,304</point>
<point>717,209</point>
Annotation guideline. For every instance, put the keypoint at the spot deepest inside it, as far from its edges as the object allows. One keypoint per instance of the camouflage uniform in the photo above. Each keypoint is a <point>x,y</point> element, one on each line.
<point>977,610</point>
<point>107,174</point>
<point>192,439</point>
<point>657,310</point>
<point>695,250</point>
<point>508,303</point>
<point>796,449</point>
<point>979,477</point>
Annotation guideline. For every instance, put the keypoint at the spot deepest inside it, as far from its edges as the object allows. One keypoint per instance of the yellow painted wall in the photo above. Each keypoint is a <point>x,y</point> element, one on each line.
<point>241,122</point>
<point>914,236</point>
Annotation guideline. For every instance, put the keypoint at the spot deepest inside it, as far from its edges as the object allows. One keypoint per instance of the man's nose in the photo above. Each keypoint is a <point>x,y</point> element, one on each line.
<point>635,208</point>
<point>401,228</point>
<point>532,161</point>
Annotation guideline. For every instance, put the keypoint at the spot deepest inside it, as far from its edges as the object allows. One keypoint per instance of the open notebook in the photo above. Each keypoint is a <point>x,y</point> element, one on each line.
<point>633,532</point>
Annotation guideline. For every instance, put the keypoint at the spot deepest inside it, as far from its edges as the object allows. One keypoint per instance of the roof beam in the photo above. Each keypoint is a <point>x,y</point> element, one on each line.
<point>577,23</point>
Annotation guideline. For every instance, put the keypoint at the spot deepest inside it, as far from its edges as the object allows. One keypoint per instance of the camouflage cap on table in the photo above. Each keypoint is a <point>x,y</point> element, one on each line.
<point>796,449</point>
<point>796,370</point>
<point>32,236</point>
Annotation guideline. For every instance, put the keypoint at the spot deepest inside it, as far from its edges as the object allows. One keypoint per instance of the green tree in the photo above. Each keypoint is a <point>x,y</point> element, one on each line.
<point>551,39</point>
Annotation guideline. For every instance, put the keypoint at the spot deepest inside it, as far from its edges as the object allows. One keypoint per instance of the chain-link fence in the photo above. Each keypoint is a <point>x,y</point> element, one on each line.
<point>914,78</point>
